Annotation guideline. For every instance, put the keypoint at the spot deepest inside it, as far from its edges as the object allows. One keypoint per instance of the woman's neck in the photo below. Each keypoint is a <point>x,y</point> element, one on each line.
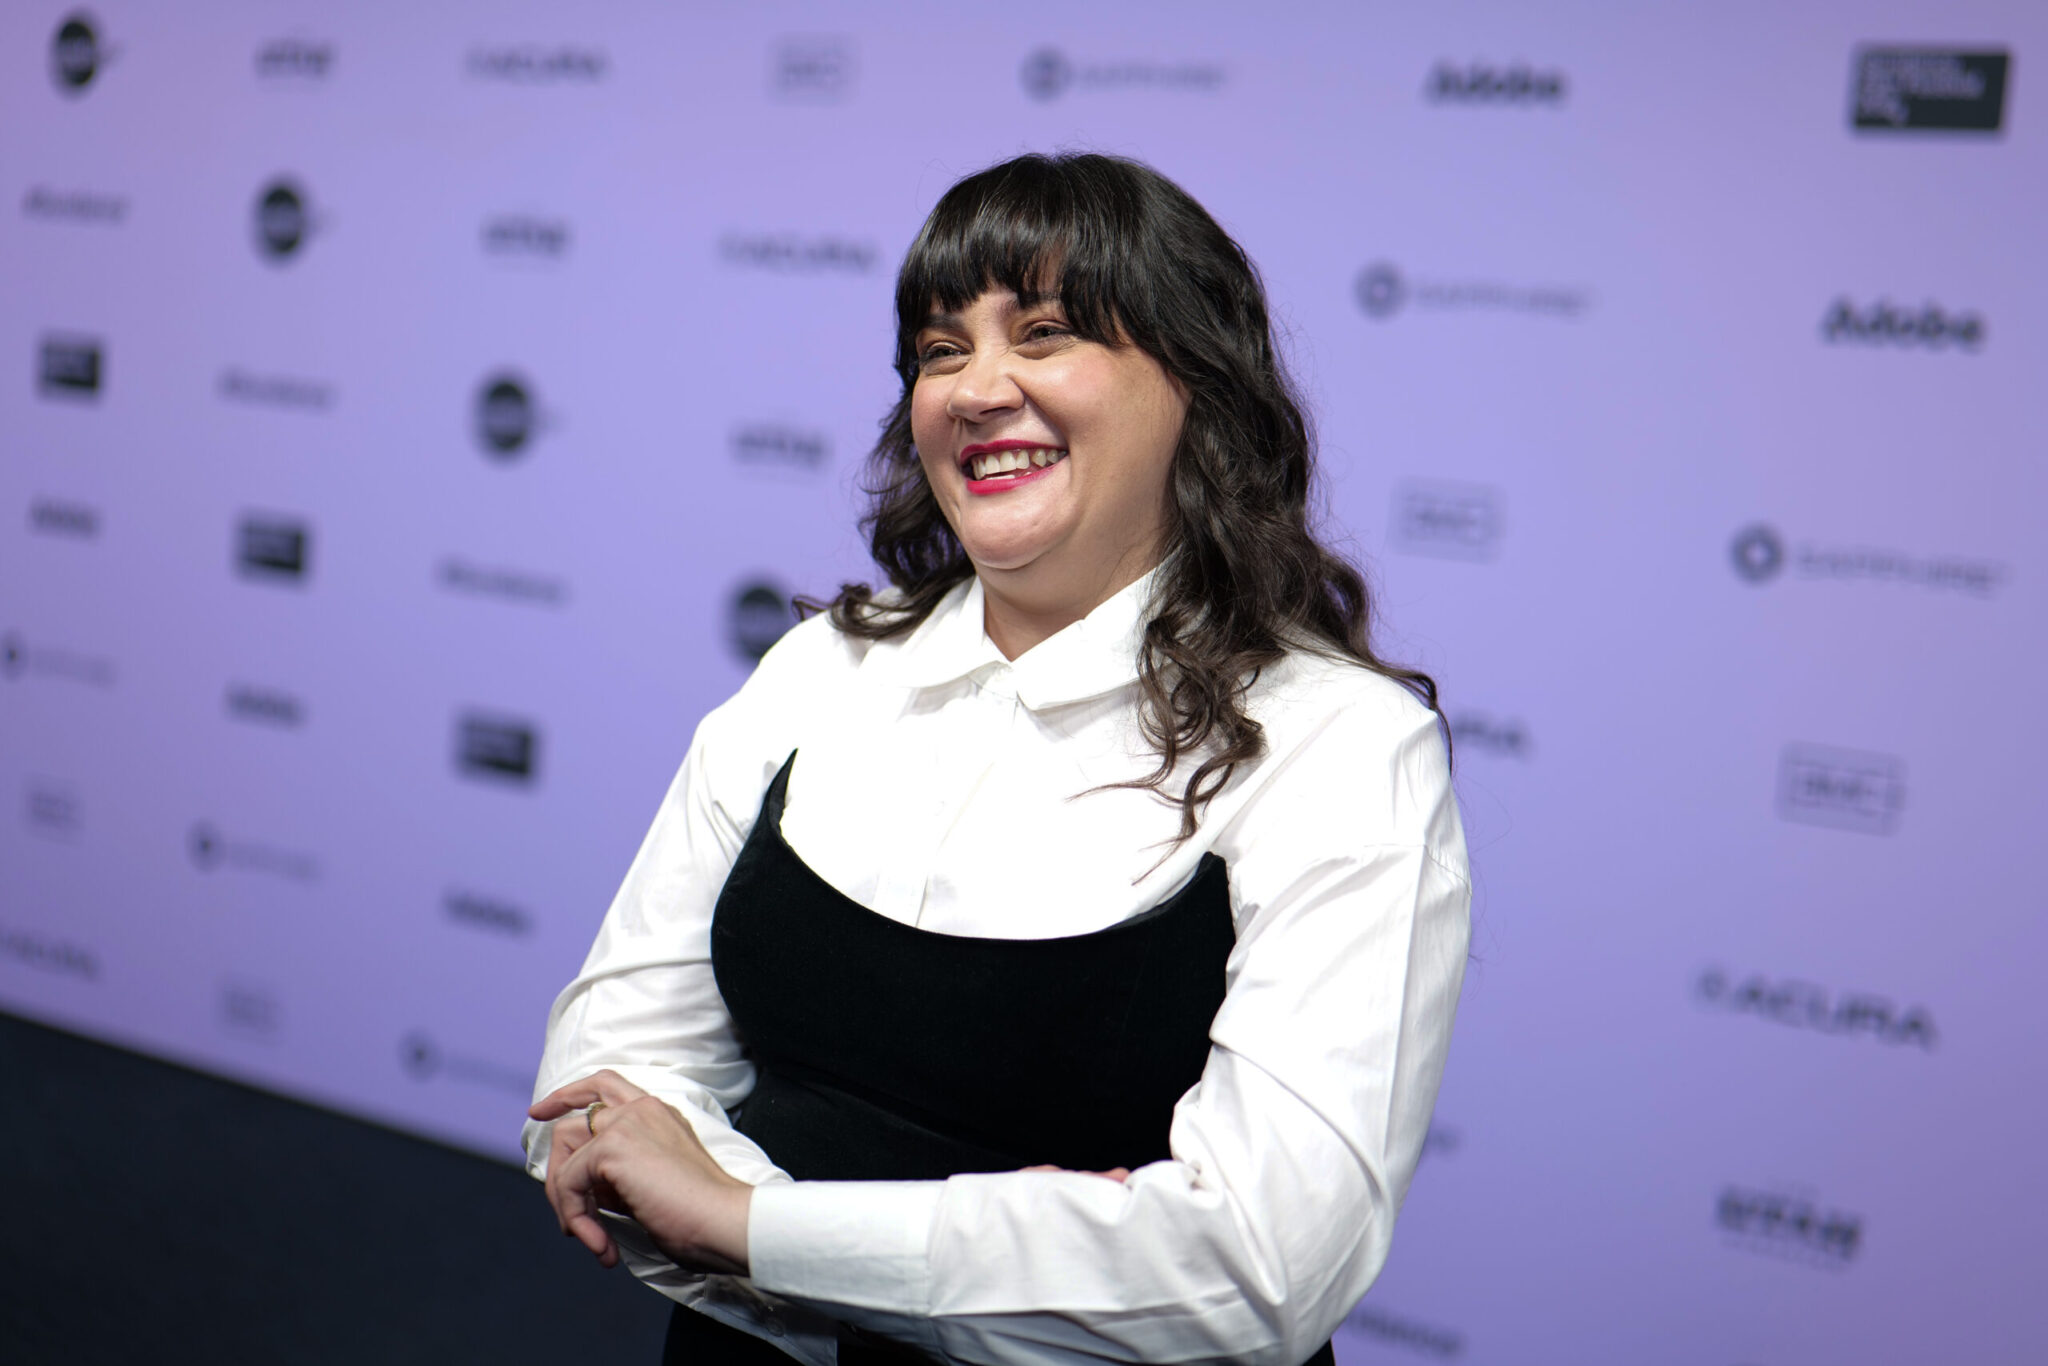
<point>1018,611</point>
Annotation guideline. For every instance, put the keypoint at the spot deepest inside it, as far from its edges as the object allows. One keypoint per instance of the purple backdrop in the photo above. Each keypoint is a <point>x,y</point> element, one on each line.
<point>415,417</point>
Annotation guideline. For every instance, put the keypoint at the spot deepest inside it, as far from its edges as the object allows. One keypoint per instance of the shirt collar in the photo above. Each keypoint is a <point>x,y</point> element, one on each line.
<point>1095,655</point>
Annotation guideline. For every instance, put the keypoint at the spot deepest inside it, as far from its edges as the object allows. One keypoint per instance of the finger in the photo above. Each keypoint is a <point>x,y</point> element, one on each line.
<point>571,1190</point>
<point>1042,1167</point>
<point>1115,1173</point>
<point>607,1086</point>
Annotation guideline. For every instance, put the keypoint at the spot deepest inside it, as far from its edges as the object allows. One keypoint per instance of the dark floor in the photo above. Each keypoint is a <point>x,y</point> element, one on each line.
<point>154,1214</point>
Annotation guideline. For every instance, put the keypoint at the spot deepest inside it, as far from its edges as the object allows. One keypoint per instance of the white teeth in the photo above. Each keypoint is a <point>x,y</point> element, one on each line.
<point>1008,462</point>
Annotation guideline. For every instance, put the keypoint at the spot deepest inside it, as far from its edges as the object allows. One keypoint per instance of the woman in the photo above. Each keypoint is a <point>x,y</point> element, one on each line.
<point>1078,923</point>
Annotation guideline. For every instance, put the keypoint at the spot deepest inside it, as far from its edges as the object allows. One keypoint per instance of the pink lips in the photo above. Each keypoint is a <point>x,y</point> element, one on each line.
<point>1008,481</point>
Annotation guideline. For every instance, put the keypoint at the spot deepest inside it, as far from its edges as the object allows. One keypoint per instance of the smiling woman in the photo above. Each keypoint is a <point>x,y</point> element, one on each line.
<point>1084,993</point>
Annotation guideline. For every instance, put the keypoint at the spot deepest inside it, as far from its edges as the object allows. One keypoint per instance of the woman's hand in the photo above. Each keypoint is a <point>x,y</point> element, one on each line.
<point>636,1156</point>
<point>1113,1174</point>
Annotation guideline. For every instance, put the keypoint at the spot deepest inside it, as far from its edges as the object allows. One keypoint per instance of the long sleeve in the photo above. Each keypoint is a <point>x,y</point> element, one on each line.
<point>1291,1157</point>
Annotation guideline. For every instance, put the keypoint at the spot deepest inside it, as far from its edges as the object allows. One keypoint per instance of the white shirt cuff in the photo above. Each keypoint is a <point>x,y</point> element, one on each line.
<point>862,1243</point>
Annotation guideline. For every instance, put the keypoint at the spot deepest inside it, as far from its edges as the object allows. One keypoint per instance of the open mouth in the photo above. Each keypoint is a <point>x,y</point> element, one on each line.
<point>1011,464</point>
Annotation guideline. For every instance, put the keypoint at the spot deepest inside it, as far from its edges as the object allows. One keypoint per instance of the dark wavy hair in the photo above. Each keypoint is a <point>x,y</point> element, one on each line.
<point>1135,261</point>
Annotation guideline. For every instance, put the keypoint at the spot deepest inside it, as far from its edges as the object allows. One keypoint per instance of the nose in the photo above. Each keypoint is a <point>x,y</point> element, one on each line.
<point>985,387</point>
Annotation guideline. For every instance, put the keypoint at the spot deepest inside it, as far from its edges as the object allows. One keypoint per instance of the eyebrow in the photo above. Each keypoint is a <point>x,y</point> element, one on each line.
<point>1035,299</point>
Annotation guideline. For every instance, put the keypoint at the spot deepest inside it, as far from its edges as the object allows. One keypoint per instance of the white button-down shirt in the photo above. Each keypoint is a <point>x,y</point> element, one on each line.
<point>948,788</point>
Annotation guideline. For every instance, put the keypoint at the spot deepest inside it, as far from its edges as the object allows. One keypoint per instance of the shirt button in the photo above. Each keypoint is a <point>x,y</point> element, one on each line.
<point>774,1326</point>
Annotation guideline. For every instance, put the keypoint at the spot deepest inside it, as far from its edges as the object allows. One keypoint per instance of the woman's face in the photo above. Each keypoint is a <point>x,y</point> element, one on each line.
<point>1048,453</point>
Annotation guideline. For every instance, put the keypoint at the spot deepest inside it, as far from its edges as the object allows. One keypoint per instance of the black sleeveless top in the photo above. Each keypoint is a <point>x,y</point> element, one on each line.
<point>887,1052</point>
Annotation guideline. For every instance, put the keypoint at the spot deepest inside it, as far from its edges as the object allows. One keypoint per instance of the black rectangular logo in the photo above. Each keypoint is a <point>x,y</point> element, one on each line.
<point>270,548</point>
<point>495,747</point>
<point>1903,89</point>
<point>70,367</point>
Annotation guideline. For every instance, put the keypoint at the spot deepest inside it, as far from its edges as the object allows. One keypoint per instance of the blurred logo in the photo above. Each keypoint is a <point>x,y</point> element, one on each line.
<point>1503,736</point>
<point>505,417</point>
<point>1882,324</point>
<point>274,391</point>
<point>76,54</point>
<point>50,808</point>
<point>1412,1335</point>
<point>1803,1005</point>
<point>272,549</point>
<point>539,64</point>
<point>817,68</point>
<point>1047,74</point>
<point>19,659</point>
<point>1928,89</point>
<point>1790,1224</point>
<point>424,1059</point>
<point>74,206</point>
<point>759,616</point>
<point>774,445</point>
<point>287,59</point>
<point>793,253</point>
<point>250,1009</point>
<point>477,912</point>
<point>1383,291</point>
<point>211,851</point>
<point>525,237</point>
<point>71,367</point>
<point>1841,788</point>
<point>264,706</point>
<point>53,518</point>
<point>45,953</point>
<point>496,747</point>
<point>1446,520</point>
<point>283,221</point>
<point>1757,553</point>
<point>1478,83</point>
<point>497,581</point>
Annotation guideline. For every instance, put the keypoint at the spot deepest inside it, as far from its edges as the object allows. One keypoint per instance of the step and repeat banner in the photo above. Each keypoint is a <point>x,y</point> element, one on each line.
<point>413,419</point>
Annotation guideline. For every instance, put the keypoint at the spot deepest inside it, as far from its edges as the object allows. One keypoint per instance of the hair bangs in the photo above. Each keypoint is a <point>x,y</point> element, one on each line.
<point>1024,228</point>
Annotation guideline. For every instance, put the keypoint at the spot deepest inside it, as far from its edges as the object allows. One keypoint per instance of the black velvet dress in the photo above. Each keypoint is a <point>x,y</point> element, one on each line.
<point>889,1053</point>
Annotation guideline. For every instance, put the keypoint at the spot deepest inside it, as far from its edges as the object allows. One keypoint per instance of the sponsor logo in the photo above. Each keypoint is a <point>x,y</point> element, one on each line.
<point>1789,1224</point>
<point>477,912</point>
<point>250,1009</point>
<point>45,954</point>
<point>283,221</point>
<point>1928,90</point>
<point>275,391</point>
<point>1383,292</point>
<point>71,368</point>
<point>771,445</point>
<point>77,54</point>
<point>1505,736</point>
<point>1803,1005</point>
<point>1424,1339</point>
<point>264,706</point>
<point>50,809</point>
<point>1447,520</point>
<point>796,254</point>
<point>1478,83</point>
<point>1048,73</point>
<point>18,659</point>
<point>539,64</point>
<point>53,518</point>
<point>525,237</point>
<point>1927,329</point>
<point>812,68</point>
<point>1841,789</point>
<point>272,549</point>
<point>496,581</point>
<point>506,418</point>
<point>760,613</point>
<point>213,851</point>
<point>1760,554</point>
<point>74,206</point>
<point>294,59</point>
<point>424,1059</point>
<point>496,747</point>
